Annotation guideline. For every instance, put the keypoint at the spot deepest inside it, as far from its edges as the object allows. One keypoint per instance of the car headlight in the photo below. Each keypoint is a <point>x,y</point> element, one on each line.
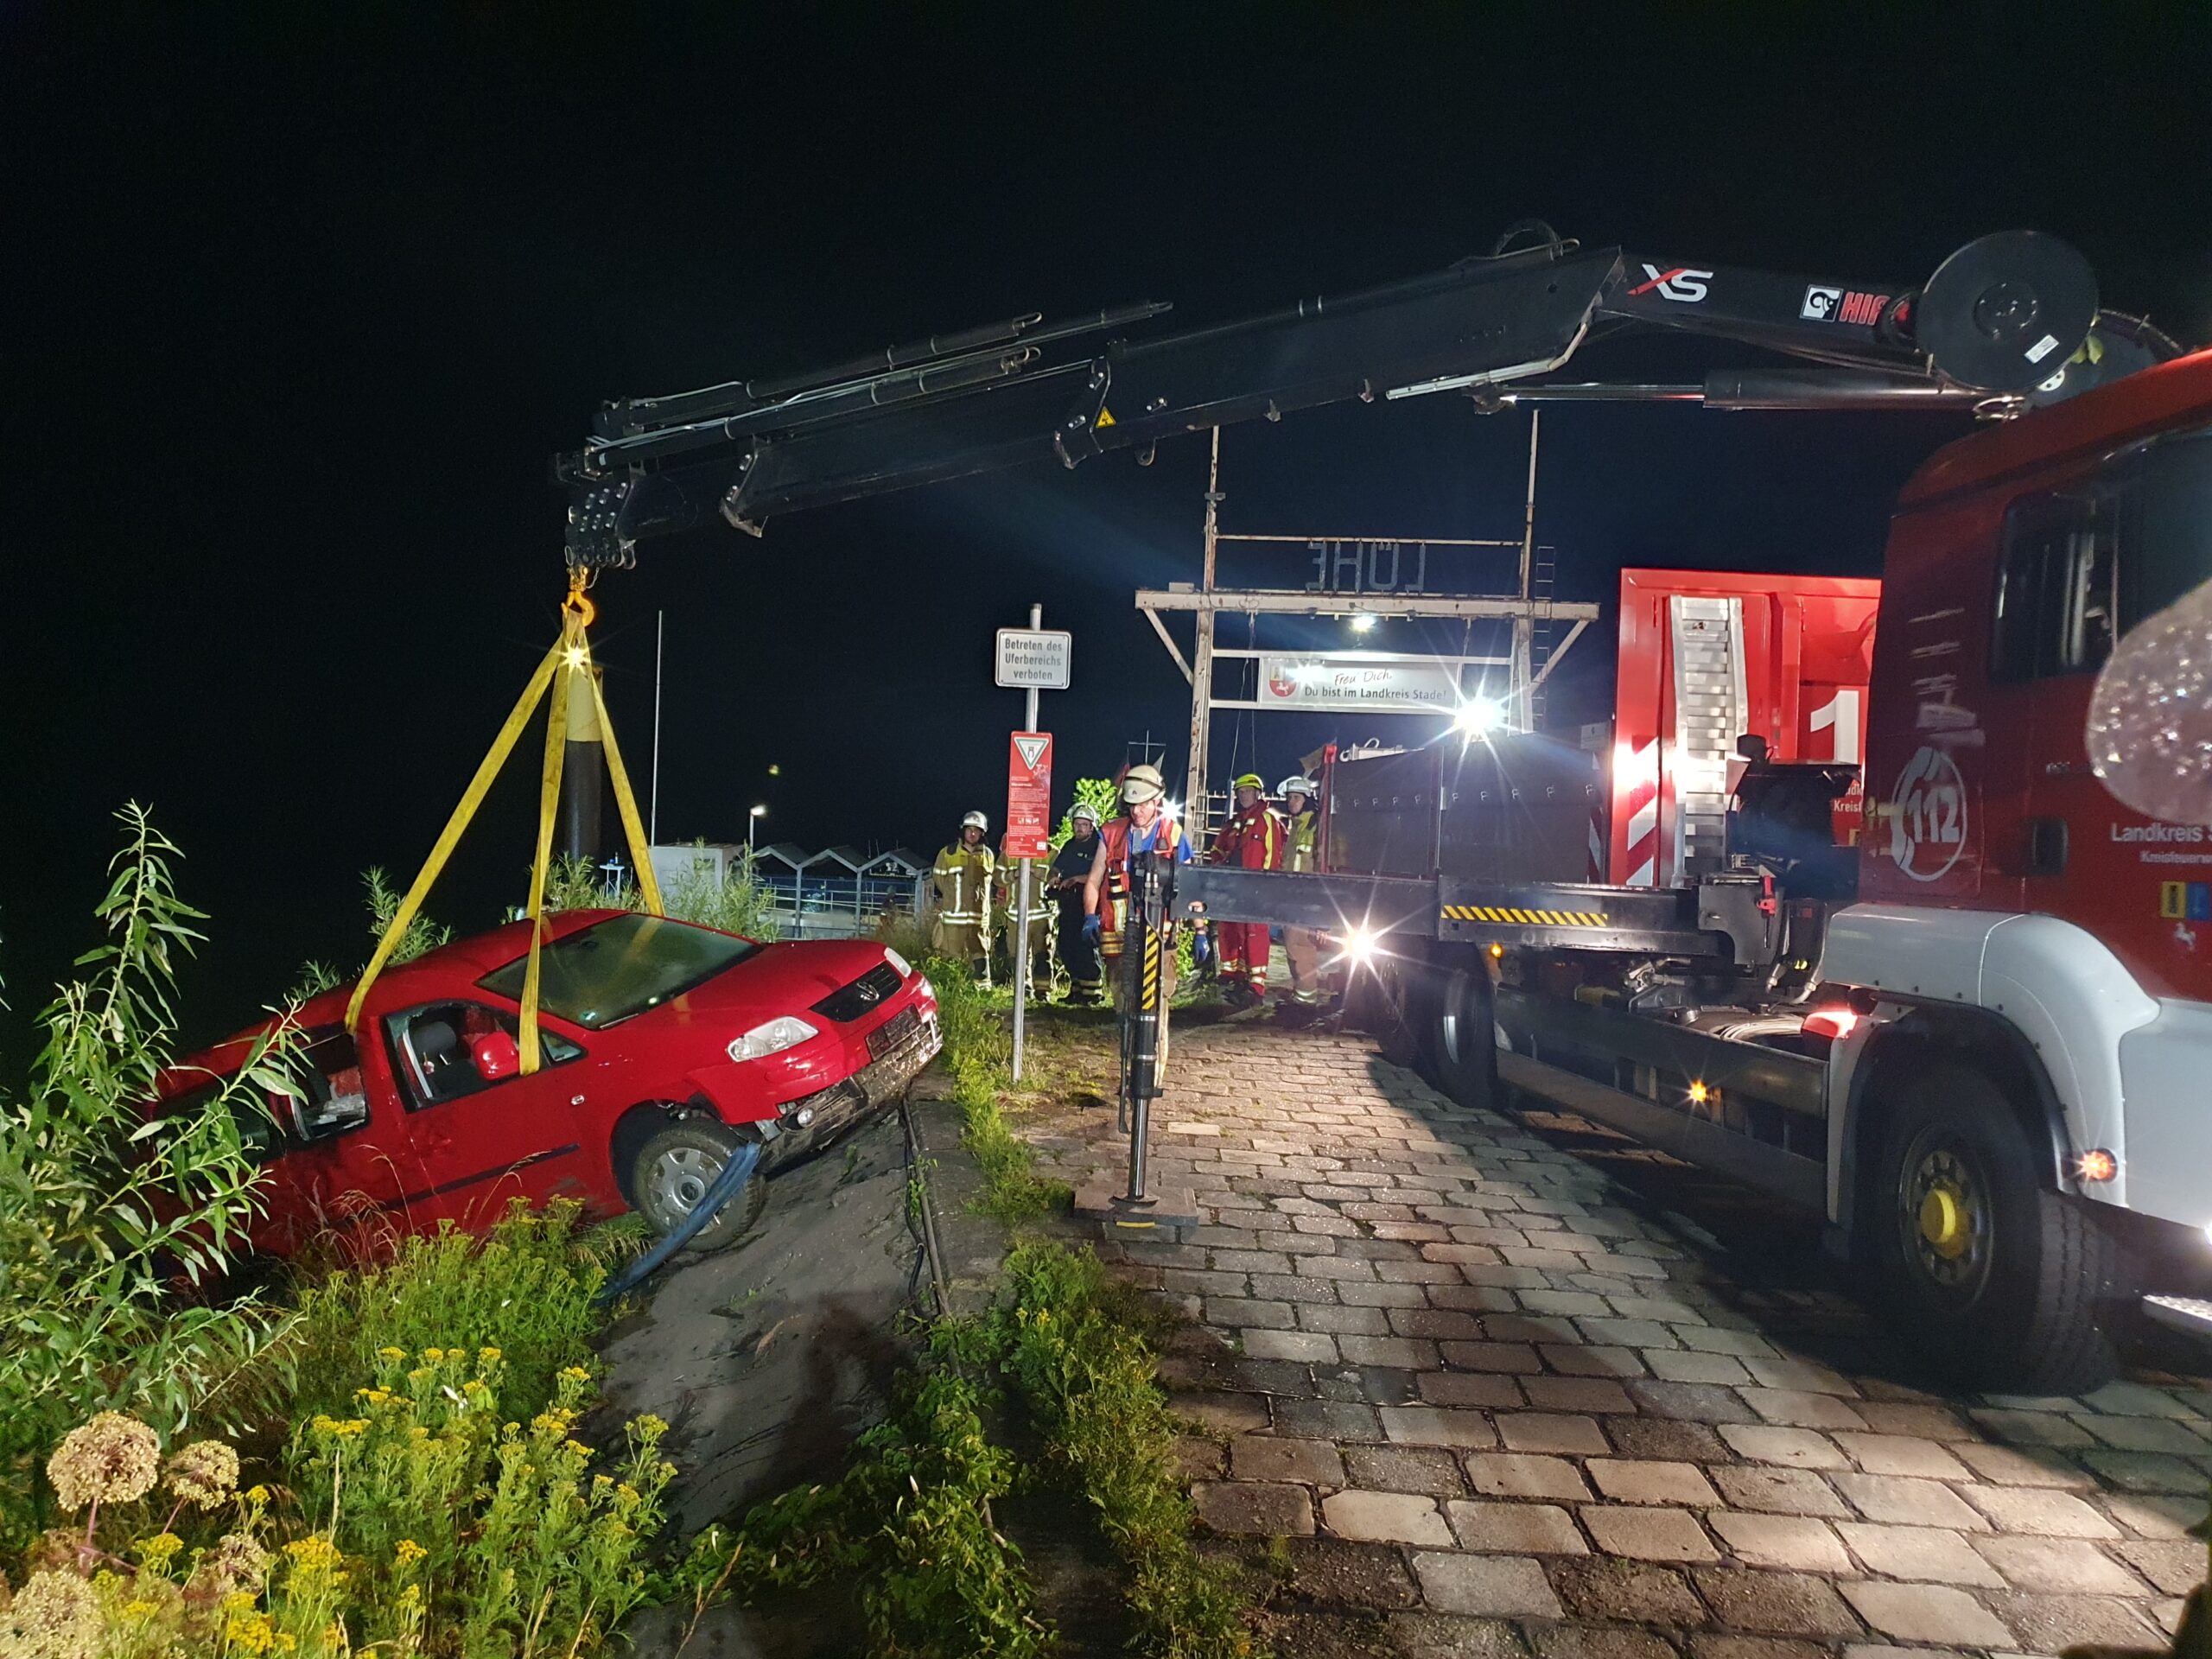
<point>784,1032</point>
<point>906,971</point>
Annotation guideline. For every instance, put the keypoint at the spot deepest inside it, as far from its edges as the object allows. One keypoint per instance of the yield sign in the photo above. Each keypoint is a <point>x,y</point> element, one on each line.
<point>1029,795</point>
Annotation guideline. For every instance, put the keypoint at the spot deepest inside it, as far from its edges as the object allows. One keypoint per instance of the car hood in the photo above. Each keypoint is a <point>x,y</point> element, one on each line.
<point>786,978</point>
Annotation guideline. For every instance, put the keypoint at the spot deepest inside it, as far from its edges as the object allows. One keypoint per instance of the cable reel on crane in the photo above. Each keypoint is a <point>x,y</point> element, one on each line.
<point>565,672</point>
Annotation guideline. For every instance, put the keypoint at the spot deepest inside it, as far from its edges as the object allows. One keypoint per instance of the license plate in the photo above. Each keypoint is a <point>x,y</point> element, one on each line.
<point>893,1033</point>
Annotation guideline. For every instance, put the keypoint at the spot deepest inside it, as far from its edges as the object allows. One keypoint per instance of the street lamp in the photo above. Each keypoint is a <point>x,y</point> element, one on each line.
<point>751,818</point>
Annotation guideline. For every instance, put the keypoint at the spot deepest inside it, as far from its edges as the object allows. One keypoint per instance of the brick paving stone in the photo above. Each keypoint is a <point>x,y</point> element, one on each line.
<point>1437,1425</point>
<point>1788,1540</point>
<point>1800,1376</point>
<point>1516,1529</point>
<point>1640,1481</point>
<point>1665,1440</point>
<point>2135,1400</point>
<point>1927,1422</point>
<point>1906,1503</point>
<point>1505,1586</point>
<point>1408,1352</point>
<point>1799,1409</point>
<point>1520,1327</point>
<point>2146,1471</point>
<point>1225,1413</point>
<point>1358,1294</point>
<point>1578,1394</point>
<point>1798,1448</point>
<point>1691,1402</point>
<point>2070,1566</point>
<point>1511,1474</point>
<point>2032,1428</point>
<point>1928,1555</point>
<point>2025,1509</point>
<point>1422,1635</point>
<point>1900,1454</point>
<point>1328,1420</point>
<point>1436,1323</point>
<point>1721,1339</point>
<point>2175,1566</point>
<point>1338,1318</point>
<point>1576,1361</point>
<point>2147,1435</point>
<point>1517,1357</point>
<point>1604,1587</point>
<point>1254,1507</point>
<point>1775,1604</point>
<point>1779,1492</point>
<point>1244,1311</point>
<point>1927,1612</point>
<point>1386,1518</point>
<point>1470,1299</point>
<point>1544,1431</point>
<point>1272,1457</point>
<point>1596,1642</point>
<point>1351,1575</point>
<point>1405,1469</point>
<point>2155,1515</point>
<point>1647,1535</point>
<point>1628,1333</point>
<point>1721,1644</point>
<point>1686,1365</point>
<point>2050,1623</point>
<point>1470,1388</point>
<point>1305,1347</point>
<point>1198,1459</point>
<point>2006,1466</point>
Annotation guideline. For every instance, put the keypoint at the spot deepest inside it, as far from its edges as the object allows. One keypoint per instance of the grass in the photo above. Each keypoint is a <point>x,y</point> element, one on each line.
<point>978,1050</point>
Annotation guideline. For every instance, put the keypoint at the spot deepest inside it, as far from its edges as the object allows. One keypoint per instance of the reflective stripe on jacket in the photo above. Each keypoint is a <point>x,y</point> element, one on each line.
<point>961,880</point>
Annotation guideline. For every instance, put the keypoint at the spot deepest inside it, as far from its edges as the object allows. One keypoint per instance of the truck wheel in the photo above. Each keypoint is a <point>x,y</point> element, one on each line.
<point>1463,1038</point>
<point>672,1172</point>
<point>2001,1280</point>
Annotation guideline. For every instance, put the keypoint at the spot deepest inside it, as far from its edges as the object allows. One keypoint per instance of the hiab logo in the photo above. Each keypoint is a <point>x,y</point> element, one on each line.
<point>1682,283</point>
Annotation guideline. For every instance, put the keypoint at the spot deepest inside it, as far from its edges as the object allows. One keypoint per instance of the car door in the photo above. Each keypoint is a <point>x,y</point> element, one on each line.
<point>480,1132</point>
<point>339,1157</point>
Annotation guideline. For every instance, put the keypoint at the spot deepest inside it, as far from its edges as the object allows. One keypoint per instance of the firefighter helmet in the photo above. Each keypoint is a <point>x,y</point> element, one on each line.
<point>1301,786</point>
<point>975,821</point>
<point>1250,780</point>
<point>1142,784</point>
<point>1086,812</point>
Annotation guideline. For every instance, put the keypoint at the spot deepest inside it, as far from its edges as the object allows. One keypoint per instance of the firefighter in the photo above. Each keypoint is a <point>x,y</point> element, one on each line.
<point>1064,880</point>
<point>1252,840</point>
<point>1041,921</point>
<point>1140,827</point>
<point>961,883</point>
<point>1301,946</point>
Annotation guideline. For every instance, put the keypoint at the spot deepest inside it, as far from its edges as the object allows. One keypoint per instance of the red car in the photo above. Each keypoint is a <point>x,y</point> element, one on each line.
<point>665,1045</point>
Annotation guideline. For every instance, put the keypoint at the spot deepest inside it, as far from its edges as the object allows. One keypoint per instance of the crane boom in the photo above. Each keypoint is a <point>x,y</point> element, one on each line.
<point>2004,314</point>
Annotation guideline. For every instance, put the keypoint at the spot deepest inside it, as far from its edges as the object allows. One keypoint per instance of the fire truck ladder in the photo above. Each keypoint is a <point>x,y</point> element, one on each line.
<point>1540,633</point>
<point>1710,710</point>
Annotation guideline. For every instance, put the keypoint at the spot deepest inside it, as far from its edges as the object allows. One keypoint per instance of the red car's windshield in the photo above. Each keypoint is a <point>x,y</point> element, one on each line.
<point>620,967</point>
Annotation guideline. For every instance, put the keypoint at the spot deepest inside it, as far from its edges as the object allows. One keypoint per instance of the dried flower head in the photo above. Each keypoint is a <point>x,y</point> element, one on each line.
<point>54,1616</point>
<point>112,1460</point>
<point>204,1473</point>
<point>236,1566</point>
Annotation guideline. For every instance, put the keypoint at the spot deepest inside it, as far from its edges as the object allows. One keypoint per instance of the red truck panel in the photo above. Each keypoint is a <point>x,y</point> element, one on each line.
<point>1801,649</point>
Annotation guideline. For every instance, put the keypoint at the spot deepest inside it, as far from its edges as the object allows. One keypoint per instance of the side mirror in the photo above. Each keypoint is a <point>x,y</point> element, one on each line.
<point>1752,748</point>
<point>495,1056</point>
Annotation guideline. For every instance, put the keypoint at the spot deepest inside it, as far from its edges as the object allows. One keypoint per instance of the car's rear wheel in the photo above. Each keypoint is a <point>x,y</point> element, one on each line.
<point>672,1172</point>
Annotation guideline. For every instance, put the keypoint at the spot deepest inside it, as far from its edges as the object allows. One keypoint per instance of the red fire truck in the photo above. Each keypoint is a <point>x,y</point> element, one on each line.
<point>1976,1034</point>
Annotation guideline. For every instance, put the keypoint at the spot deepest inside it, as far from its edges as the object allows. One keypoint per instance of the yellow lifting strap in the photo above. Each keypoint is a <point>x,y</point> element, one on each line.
<point>566,671</point>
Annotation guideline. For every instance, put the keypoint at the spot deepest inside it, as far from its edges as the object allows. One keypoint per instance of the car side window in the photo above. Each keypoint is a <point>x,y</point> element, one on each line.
<point>446,1050</point>
<point>2057,587</point>
<point>334,1099</point>
<point>261,1133</point>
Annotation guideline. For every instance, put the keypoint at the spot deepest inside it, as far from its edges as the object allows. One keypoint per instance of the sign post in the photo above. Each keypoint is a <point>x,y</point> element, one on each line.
<point>1036,658</point>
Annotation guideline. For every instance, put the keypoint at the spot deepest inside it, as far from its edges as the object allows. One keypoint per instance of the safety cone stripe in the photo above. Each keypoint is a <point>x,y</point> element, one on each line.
<point>1525,917</point>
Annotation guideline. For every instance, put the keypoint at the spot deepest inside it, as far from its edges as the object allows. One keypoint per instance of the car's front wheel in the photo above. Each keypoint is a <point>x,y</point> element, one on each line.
<point>671,1175</point>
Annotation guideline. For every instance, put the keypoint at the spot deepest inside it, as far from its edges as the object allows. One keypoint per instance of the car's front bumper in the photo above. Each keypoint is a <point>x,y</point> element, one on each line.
<point>807,1125</point>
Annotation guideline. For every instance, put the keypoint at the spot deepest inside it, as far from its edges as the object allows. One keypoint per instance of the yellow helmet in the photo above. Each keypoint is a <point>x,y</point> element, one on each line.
<point>1250,780</point>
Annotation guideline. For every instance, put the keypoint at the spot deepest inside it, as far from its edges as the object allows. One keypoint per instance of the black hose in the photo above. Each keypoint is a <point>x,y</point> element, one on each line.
<point>724,1187</point>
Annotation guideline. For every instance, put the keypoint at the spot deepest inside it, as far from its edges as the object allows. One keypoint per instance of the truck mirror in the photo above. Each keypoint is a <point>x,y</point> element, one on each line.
<point>1752,748</point>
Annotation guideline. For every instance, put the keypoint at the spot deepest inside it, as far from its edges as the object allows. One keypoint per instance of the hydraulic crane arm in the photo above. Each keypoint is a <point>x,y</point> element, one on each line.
<point>2002,315</point>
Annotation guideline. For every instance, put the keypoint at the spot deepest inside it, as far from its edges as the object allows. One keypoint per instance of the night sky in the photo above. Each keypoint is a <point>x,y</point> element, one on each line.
<point>300,308</point>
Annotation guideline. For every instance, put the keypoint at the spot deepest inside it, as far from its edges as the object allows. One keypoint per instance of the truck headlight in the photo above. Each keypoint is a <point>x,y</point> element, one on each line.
<point>784,1032</point>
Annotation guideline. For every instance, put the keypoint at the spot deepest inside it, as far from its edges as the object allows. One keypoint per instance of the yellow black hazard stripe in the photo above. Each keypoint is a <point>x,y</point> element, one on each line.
<point>1503,913</point>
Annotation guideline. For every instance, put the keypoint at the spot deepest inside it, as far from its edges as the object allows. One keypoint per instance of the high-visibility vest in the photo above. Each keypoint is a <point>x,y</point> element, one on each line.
<point>1300,835</point>
<point>1114,895</point>
<point>962,879</point>
<point>1252,839</point>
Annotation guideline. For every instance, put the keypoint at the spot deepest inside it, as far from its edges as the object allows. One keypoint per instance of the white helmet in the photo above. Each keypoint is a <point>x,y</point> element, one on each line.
<point>1305,786</point>
<point>1084,811</point>
<point>975,821</point>
<point>1142,784</point>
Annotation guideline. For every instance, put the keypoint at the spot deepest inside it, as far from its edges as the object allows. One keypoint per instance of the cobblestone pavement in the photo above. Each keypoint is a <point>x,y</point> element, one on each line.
<point>1499,1400</point>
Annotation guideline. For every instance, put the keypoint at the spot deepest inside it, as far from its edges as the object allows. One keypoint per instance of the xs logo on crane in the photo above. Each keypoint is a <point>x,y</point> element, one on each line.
<point>1683,284</point>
